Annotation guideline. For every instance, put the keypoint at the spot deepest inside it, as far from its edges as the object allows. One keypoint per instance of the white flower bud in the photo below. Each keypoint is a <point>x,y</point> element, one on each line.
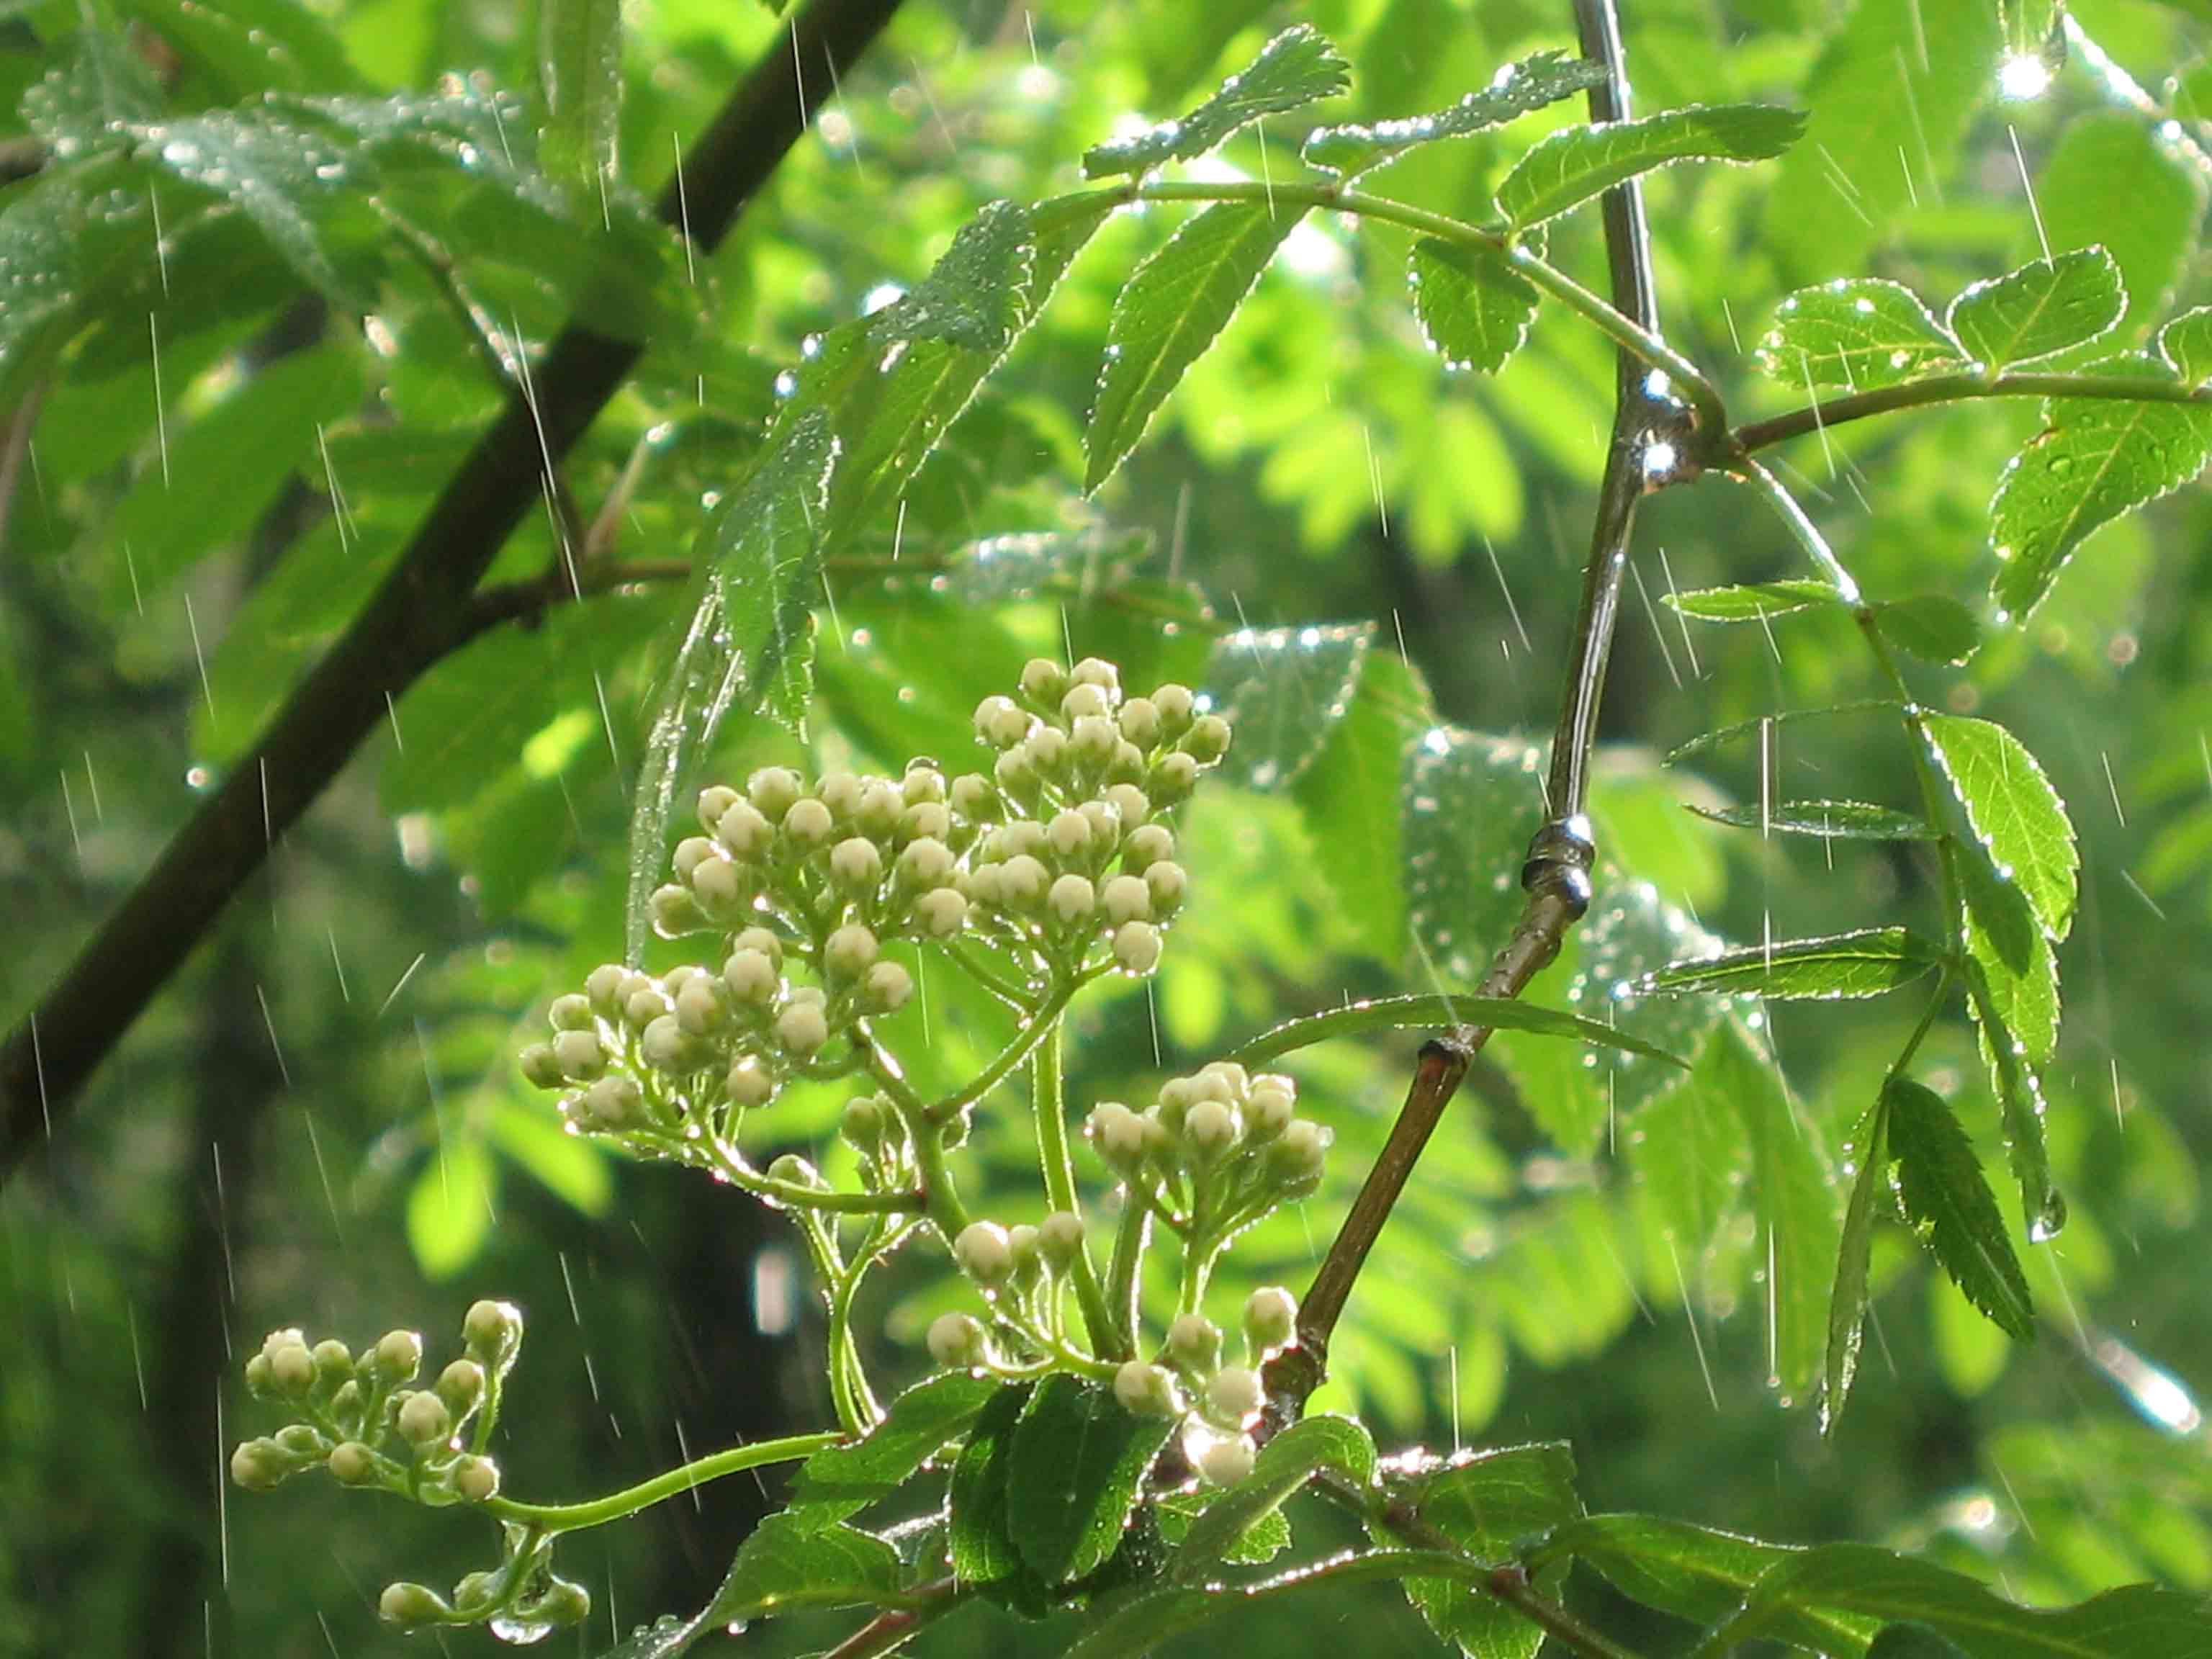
<point>745,830</point>
<point>1176,705</point>
<point>1117,1132</point>
<point>492,1329</point>
<point>714,801</point>
<point>398,1356</point>
<point>258,1465</point>
<point>571,1012</point>
<point>847,953</point>
<point>719,886</point>
<point>1060,1238</point>
<point>1194,1341</point>
<point>984,1253</point>
<point>333,1360</point>
<point>292,1367</point>
<point>1140,722</point>
<point>423,1419</point>
<point>1147,846</point>
<point>855,865</point>
<point>795,1171</point>
<point>1166,882</point>
<point>1021,836</point>
<point>1093,737</point>
<point>1232,1078</point>
<point>922,784</point>
<point>1296,1160</point>
<point>841,793</point>
<point>1000,723</point>
<point>1207,740</point>
<point>460,1385</point>
<point>1044,679</point>
<point>879,807</point>
<point>808,823</point>
<point>1271,1318</point>
<point>888,988</point>
<point>1173,778</point>
<point>1073,898</point>
<point>580,1055</point>
<point>1209,1129</point>
<point>1234,1394</point>
<point>861,1123</point>
<point>926,864</point>
<point>541,1067</point>
<point>410,1605</point>
<point>1045,750</point>
<point>667,1047</point>
<point>1227,1461</point>
<point>1021,881</point>
<point>1097,670</point>
<point>802,1028</point>
<point>351,1463</point>
<point>1028,1255</point>
<point>749,1083</point>
<point>1015,772</point>
<point>676,912</point>
<point>971,796</point>
<point>1127,899</point>
<point>955,1340</point>
<point>476,1479</point>
<point>752,977</point>
<point>644,1006</point>
<point>1084,701</point>
<point>1069,832</point>
<point>1137,947</point>
<point>700,1008</point>
<point>941,912</point>
<point>1105,823</point>
<point>1126,765</point>
<point>927,820</point>
<point>1147,1390</point>
<point>1130,803</point>
<point>690,852</point>
<point>612,1103</point>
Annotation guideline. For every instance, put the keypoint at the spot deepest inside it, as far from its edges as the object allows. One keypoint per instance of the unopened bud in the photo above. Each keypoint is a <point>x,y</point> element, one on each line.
<point>809,822</point>
<point>1093,737</point>
<point>409,1606</point>
<point>258,1465</point>
<point>1270,1104</point>
<point>1207,740</point>
<point>749,1083</point>
<point>1194,1340</point>
<point>861,1124</point>
<point>1165,884</point>
<point>1147,1390</point>
<point>690,852</point>
<point>1235,1394</point>
<point>333,1361</point>
<point>763,940</point>
<point>603,986</point>
<point>1072,898</point>
<point>982,1251</point>
<point>1173,778</point>
<point>460,1385</point>
<point>1000,723</point>
<point>926,864</point>
<point>1022,881</point>
<point>752,977</point>
<point>1060,1238</point>
<point>667,1047</point>
<point>971,796</point>
<point>847,953</point>
<point>941,912</point>
<point>1227,1461</point>
<point>794,1170</point>
<point>423,1419</point>
<point>1097,670</point>
<point>774,790</point>
<point>955,1340</point>
<point>1126,898</point>
<point>476,1479</point>
<point>719,886</point>
<point>292,1369</point>
<point>676,912</point>
<point>1044,679</point>
<point>398,1356</point>
<point>1271,1318</point>
<point>493,1331</point>
<point>856,864</point>
<point>1069,832</point>
<point>571,1012</point>
<point>922,784</point>
<point>1118,1134</point>
<point>1137,947</point>
<point>888,988</point>
<point>581,1055</point>
<point>541,1067</point>
<point>1147,845</point>
<point>802,1028</point>
<point>351,1463</point>
<point>714,801</point>
<point>1210,1128</point>
<point>1176,706</point>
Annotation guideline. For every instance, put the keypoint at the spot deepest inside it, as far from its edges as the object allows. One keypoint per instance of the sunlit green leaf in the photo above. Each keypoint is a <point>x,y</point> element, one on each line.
<point>785,1566</point>
<point>2041,309</point>
<point>1470,803</point>
<point>1078,1455</point>
<point>1940,1186</point>
<point>2186,343</point>
<point>2004,942</point>
<point>1284,689</point>
<point>2108,157</point>
<point>1866,963</point>
<point>1831,820</point>
<point>1931,626</point>
<point>2012,811</point>
<point>1754,601</point>
<point>1297,68</point>
<point>1535,81</point>
<point>1350,800</point>
<point>1857,334</point>
<point>97,85</point>
<point>1868,1151</point>
<point>840,1480</point>
<point>1285,1463</point>
<point>981,1544</point>
<point>2020,1098</point>
<point>1474,308</point>
<point>1761,726</point>
<point>580,77</point>
<point>1486,1504</point>
<point>1569,167</point>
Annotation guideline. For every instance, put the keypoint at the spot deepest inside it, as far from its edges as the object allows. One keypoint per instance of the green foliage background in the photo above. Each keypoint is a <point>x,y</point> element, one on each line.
<point>318,1122</point>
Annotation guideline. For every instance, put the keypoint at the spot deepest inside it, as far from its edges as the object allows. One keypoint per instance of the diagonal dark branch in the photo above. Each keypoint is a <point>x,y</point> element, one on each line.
<point>420,614</point>
<point>1557,875</point>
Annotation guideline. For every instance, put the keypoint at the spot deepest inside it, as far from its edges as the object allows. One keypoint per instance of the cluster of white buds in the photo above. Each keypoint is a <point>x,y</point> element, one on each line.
<point>1021,1272</point>
<point>1237,1135</point>
<point>1218,1404</point>
<point>523,1595</point>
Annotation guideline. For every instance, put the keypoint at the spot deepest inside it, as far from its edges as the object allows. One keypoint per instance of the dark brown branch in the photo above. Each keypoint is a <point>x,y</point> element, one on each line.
<point>1557,874</point>
<point>418,615</point>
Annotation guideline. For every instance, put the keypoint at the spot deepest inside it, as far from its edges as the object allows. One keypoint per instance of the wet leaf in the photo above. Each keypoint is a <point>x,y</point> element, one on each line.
<point>2020,1098</point>
<point>1540,79</point>
<point>1866,963</point>
<point>579,77</point>
<point>1939,1184</point>
<point>2186,343</point>
<point>2019,969</point>
<point>1169,312</point>
<point>1473,308</point>
<point>785,1566</point>
<point>1931,626</point>
<point>2041,309</point>
<point>96,85</point>
<point>1847,1302</point>
<point>1569,167</point>
<point>1855,334</point>
<point>982,1544</point>
<point>2107,158</point>
<point>1762,724</point>
<point>2012,811</point>
<point>1350,798</point>
<point>1831,820</point>
<point>1754,601</point>
<point>1284,691</point>
<point>1486,1504</point>
<point>1470,803</point>
<point>1437,1013</point>
<point>1285,1463</point>
<point>1078,1458</point>
<point>1297,68</point>
<point>839,1479</point>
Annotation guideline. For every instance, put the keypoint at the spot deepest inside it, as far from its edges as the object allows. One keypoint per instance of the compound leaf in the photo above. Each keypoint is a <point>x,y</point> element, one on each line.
<point>1297,67</point>
<point>1535,81</point>
<point>2015,813</point>
<point>1855,334</point>
<point>1866,963</point>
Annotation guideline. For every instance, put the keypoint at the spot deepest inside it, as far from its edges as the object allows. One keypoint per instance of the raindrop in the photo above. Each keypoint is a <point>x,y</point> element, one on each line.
<point>2051,1220</point>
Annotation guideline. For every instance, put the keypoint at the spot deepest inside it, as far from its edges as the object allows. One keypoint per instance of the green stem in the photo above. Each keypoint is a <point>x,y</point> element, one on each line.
<point>1014,996</point>
<point>1801,528</point>
<point>1121,1287</point>
<point>1036,1029</point>
<point>1960,388</point>
<point>1927,1023</point>
<point>941,1198</point>
<point>1623,331</point>
<point>616,1506</point>
<point>1048,1103</point>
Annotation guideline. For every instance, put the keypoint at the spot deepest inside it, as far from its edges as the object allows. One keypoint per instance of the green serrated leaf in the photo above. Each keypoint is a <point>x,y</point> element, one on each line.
<point>1541,79</point>
<point>1831,820</point>
<point>2019,969</point>
<point>1173,306</point>
<point>836,1482</point>
<point>2095,460</point>
<point>1351,801</point>
<point>1486,1504</point>
<point>2013,811</point>
<point>787,1564</point>
<point>1857,334</point>
<point>977,294</point>
<point>580,45</point>
<point>981,1544</point>
<point>96,85</point>
<point>1866,963</point>
<point>1473,308</point>
<point>1079,1457</point>
<point>1754,601</point>
<point>761,550</point>
<point>1259,1543</point>
<point>1437,1012</point>
<point>2109,157</point>
<point>1868,1151</point>
<point>1939,1183</point>
<point>1285,1463</point>
<point>1297,68</point>
<point>2019,1099</point>
<point>1470,803</point>
<point>1569,167</point>
<point>2041,309</point>
<point>1762,724</point>
<point>1284,689</point>
<point>2186,343</point>
<point>1931,626</point>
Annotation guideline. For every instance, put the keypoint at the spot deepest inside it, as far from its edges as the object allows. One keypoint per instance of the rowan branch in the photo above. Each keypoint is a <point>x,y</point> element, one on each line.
<point>420,614</point>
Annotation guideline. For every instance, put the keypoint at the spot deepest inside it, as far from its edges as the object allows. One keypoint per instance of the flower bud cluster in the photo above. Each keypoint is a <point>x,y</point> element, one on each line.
<point>1237,1135</point>
<point>356,1416</point>
<point>1221,1403</point>
<point>524,1597</point>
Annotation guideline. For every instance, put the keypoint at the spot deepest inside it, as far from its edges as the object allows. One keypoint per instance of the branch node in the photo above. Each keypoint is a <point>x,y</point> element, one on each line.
<point>1561,856</point>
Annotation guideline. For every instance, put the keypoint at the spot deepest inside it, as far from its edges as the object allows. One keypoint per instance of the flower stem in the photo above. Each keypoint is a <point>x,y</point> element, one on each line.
<point>596,1512</point>
<point>1048,1103</point>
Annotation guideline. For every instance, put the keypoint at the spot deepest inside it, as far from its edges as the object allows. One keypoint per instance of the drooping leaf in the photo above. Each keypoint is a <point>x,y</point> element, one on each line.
<point>2018,968</point>
<point>1831,820</point>
<point>1079,1457</point>
<point>1569,167</point>
<point>2012,811</point>
<point>580,77</point>
<point>1540,79</point>
<point>786,1565</point>
<point>1754,601</point>
<point>2095,460</point>
<point>761,548</point>
<point>1932,627</point>
<point>1486,1504</point>
<point>1473,308</point>
<point>2041,309</point>
<point>1855,334</point>
<point>2020,1098</point>
<point>1297,68</point>
<point>1939,1183</point>
<point>840,1480</point>
<point>1866,963</point>
<point>981,1543</point>
<point>1171,310</point>
<point>1438,1012</point>
<point>1285,1463</point>
<point>96,85</point>
<point>1283,690</point>
<point>1869,1151</point>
